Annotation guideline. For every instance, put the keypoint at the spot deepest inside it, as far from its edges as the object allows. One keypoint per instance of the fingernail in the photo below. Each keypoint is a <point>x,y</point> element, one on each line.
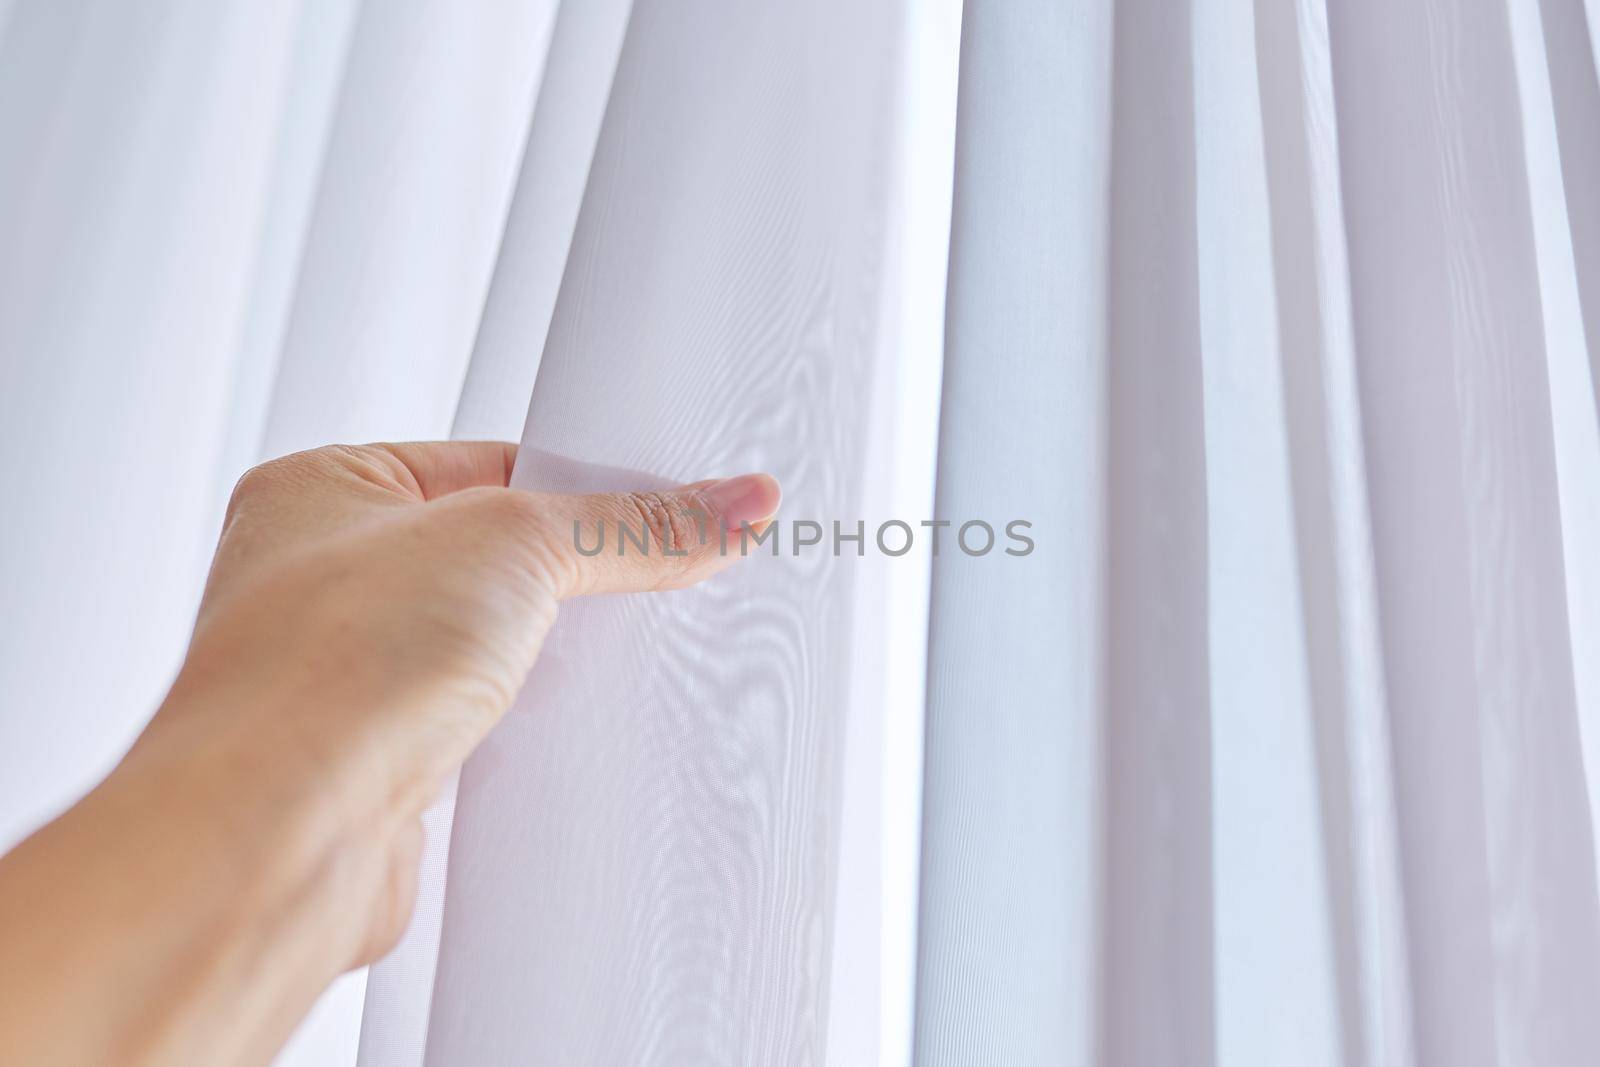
<point>747,498</point>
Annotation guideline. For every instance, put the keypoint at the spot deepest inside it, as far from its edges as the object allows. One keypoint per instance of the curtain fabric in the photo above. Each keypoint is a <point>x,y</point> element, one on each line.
<point>1298,773</point>
<point>1280,322</point>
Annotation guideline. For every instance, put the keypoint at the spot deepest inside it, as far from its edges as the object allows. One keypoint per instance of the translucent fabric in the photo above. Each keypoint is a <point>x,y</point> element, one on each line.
<point>1278,321</point>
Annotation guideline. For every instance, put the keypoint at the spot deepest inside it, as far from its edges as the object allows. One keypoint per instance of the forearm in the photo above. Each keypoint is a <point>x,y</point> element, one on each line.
<point>188,910</point>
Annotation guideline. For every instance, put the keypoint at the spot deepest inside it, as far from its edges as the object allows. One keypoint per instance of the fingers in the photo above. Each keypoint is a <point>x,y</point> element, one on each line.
<point>633,542</point>
<point>443,467</point>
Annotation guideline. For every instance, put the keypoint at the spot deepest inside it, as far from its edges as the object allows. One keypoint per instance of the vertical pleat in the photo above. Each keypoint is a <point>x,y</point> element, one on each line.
<point>1157,940</point>
<point>1328,494</point>
<point>872,966</point>
<point>1271,894</point>
<point>1010,839</point>
<point>433,113</point>
<point>1570,47</point>
<point>1497,853</point>
<point>1575,420</point>
<point>532,249</point>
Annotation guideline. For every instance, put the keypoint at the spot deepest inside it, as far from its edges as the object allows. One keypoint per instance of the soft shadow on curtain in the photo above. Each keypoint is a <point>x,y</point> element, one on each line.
<point>1279,321</point>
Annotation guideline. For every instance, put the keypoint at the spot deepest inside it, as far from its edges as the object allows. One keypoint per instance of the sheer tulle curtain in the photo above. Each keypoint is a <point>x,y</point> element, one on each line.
<point>1291,302</point>
<point>1280,321</point>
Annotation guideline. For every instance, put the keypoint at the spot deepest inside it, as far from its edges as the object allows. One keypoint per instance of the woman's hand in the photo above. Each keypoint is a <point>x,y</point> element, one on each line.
<point>370,614</point>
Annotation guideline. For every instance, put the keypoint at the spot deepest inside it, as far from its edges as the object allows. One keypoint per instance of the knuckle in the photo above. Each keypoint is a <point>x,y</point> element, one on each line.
<point>352,453</point>
<point>671,529</point>
<point>295,469</point>
<point>377,464</point>
<point>253,483</point>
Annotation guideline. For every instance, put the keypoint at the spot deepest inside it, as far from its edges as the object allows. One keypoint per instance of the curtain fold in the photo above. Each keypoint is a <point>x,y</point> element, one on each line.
<point>1280,908</point>
<point>565,121</point>
<point>1496,845</point>
<point>1338,728</point>
<point>1332,549</point>
<point>1006,963</point>
<point>721,309</point>
<point>1280,323</point>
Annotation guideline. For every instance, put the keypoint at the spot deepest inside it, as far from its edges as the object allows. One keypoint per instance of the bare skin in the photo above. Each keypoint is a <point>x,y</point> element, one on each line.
<point>370,614</point>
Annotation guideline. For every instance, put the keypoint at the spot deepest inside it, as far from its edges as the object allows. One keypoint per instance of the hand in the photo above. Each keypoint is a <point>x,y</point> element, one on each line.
<point>370,614</point>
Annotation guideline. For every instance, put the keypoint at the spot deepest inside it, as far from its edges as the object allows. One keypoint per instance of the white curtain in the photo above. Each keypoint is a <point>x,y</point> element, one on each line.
<point>1280,321</point>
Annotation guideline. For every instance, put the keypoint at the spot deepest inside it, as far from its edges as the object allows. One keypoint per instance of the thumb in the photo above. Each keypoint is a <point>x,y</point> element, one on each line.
<point>639,541</point>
